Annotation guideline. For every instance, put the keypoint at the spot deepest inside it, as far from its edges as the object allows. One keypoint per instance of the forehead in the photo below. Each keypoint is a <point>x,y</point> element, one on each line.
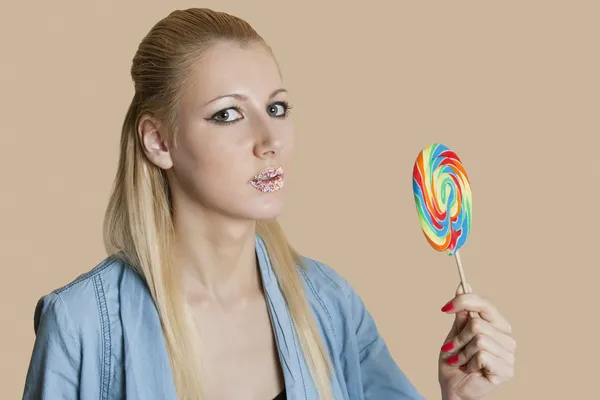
<point>230,67</point>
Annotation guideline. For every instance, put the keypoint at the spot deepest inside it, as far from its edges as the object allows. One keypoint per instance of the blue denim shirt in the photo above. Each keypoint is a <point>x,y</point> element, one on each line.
<point>99,337</point>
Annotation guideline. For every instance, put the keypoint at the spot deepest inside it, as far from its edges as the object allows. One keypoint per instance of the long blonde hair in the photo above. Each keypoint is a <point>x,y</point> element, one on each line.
<point>138,225</point>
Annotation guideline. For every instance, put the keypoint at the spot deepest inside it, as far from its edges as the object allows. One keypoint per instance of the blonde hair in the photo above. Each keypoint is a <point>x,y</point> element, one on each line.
<point>138,225</point>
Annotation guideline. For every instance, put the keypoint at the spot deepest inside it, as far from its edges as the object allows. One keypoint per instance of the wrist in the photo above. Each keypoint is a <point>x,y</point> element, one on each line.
<point>450,396</point>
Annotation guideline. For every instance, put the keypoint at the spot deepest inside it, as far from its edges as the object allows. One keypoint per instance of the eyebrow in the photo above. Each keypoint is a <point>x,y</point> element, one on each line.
<point>242,97</point>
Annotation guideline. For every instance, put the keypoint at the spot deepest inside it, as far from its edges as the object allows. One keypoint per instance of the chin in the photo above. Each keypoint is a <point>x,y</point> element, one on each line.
<point>265,208</point>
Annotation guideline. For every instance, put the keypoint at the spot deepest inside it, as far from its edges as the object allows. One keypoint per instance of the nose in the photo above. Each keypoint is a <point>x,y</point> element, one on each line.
<point>268,141</point>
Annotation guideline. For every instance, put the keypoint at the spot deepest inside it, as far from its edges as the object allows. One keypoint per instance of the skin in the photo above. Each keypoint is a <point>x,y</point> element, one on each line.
<point>215,210</point>
<point>478,353</point>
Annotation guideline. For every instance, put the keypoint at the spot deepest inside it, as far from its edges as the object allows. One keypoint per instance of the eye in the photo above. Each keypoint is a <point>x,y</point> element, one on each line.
<point>279,109</point>
<point>226,116</point>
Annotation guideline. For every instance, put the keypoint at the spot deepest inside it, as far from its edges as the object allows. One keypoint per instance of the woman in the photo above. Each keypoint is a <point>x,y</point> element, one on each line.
<point>201,296</point>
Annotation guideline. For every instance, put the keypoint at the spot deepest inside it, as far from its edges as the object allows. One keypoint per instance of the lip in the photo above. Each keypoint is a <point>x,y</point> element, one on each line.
<point>268,174</point>
<point>268,180</point>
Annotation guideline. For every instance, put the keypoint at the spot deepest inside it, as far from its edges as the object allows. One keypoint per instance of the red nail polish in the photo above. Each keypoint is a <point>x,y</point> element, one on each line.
<point>448,346</point>
<point>448,307</point>
<point>463,367</point>
<point>453,359</point>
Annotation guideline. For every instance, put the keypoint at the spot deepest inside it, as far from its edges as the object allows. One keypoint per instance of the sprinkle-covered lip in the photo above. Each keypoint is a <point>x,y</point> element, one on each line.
<point>266,174</point>
<point>268,180</point>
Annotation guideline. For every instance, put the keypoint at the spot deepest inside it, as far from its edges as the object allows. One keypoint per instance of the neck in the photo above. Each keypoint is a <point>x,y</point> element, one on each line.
<point>216,253</point>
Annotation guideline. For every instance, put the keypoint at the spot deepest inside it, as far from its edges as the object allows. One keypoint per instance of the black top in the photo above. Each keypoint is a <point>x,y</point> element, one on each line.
<point>281,396</point>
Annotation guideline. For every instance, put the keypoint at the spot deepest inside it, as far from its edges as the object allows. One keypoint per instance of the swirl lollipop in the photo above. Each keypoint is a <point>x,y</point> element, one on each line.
<point>443,198</point>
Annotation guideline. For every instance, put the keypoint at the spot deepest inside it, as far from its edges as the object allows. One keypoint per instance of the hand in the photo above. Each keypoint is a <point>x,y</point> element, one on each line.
<point>478,353</point>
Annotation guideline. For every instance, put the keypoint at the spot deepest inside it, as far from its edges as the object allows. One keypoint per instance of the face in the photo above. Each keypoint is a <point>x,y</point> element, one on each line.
<point>234,148</point>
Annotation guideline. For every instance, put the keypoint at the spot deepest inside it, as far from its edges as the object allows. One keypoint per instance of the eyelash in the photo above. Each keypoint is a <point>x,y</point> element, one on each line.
<point>287,106</point>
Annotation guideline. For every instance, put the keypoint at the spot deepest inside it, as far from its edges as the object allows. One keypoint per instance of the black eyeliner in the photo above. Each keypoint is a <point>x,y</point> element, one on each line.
<point>286,106</point>
<point>213,119</point>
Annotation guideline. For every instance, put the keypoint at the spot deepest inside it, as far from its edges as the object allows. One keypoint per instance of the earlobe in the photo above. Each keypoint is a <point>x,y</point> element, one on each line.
<point>153,142</point>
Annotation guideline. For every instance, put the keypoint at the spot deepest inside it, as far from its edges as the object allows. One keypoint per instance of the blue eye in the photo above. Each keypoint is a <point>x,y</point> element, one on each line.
<point>226,116</point>
<point>230,115</point>
<point>279,109</point>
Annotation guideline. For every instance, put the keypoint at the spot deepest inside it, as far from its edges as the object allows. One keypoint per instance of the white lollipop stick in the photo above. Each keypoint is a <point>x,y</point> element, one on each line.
<point>463,280</point>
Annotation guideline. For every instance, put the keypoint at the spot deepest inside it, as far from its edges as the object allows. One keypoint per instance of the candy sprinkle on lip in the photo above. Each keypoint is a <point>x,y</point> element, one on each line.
<point>268,174</point>
<point>268,184</point>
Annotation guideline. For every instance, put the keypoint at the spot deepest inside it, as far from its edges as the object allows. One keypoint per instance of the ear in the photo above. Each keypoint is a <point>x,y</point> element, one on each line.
<point>153,142</point>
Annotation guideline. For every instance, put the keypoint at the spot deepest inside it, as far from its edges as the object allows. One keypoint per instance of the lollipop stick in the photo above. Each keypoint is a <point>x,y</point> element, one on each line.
<point>463,279</point>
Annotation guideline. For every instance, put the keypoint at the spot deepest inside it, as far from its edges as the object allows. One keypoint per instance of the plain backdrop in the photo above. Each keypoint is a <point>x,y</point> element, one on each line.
<point>511,86</point>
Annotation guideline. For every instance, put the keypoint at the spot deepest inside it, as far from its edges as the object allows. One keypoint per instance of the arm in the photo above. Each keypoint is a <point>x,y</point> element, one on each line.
<point>53,371</point>
<point>381,376</point>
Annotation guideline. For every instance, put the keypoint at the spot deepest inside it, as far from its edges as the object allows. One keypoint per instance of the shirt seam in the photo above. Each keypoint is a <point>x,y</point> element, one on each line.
<point>298,359</point>
<point>109,261</point>
<point>321,302</point>
<point>105,374</point>
<point>326,275</point>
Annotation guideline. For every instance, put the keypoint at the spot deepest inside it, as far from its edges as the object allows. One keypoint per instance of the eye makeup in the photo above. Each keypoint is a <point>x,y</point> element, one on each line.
<point>222,117</point>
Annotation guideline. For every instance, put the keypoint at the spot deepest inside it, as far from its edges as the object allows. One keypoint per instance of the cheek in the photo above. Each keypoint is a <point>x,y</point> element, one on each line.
<point>191,160</point>
<point>213,164</point>
<point>214,160</point>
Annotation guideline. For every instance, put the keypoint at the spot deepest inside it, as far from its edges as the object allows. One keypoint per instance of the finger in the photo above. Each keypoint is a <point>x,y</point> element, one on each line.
<point>460,321</point>
<point>496,369</point>
<point>480,342</point>
<point>461,317</point>
<point>475,303</point>
<point>478,327</point>
<point>460,289</point>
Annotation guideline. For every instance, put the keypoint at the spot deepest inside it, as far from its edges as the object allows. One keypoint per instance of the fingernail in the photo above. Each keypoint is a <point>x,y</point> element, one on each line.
<point>448,307</point>
<point>453,359</point>
<point>448,346</point>
<point>463,367</point>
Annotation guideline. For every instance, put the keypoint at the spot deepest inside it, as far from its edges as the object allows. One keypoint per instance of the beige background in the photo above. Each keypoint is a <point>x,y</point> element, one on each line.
<point>512,86</point>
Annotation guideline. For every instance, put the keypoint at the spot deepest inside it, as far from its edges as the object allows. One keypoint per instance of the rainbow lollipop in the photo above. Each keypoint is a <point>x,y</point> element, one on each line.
<point>443,199</point>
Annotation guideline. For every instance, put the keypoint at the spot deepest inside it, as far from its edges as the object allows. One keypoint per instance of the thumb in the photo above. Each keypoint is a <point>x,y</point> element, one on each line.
<point>459,289</point>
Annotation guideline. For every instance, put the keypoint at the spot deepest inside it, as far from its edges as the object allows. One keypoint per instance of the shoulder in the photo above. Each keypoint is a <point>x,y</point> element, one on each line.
<point>336,301</point>
<point>76,303</point>
<point>79,330</point>
<point>343,317</point>
<point>324,279</point>
<point>331,295</point>
<point>352,337</point>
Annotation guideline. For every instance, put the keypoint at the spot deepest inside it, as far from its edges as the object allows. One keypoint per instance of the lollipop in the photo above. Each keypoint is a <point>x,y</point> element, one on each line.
<point>443,198</point>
